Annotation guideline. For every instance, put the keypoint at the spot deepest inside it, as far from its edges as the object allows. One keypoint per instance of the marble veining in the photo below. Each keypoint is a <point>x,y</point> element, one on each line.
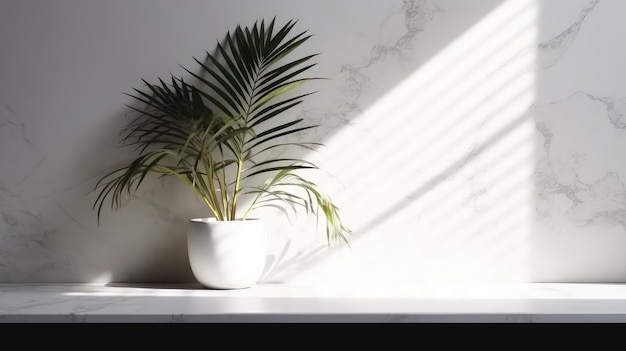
<point>592,201</point>
<point>10,119</point>
<point>70,216</point>
<point>613,108</point>
<point>554,48</point>
<point>484,163</point>
<point>415,16</point>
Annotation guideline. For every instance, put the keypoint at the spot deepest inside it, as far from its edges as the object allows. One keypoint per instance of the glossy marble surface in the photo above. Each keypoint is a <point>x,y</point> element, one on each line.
<point>466,141</point>
<point>425,303</point>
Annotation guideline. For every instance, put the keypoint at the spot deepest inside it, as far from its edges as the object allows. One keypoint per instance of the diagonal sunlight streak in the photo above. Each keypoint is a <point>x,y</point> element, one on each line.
<point>500,194</point>
<point>452,230</point>
<point>513,153</point>
<point>442,167</point>
<point>438,172</point>
<point>439,74</point>
<point>459,82</point>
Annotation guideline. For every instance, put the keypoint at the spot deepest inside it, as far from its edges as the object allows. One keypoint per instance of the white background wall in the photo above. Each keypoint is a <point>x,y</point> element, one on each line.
<point>465,141</point>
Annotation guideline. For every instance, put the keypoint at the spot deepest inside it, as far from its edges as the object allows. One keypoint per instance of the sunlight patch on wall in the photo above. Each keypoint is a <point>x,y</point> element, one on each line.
<point>105,277</point>
<point>438,173</point>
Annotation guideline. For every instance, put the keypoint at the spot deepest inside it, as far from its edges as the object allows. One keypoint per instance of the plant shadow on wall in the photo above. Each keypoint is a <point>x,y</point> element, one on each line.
<point>217,133</point>
<point>456,198</point>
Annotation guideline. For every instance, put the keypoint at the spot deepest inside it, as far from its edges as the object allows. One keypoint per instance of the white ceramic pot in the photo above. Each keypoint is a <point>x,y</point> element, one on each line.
<point>226,254</point>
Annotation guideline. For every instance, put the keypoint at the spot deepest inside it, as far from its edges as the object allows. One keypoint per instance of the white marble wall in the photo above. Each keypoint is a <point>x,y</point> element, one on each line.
<point>465,141</point>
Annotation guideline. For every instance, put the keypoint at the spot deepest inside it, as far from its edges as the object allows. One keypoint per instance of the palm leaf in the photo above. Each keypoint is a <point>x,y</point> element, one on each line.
<point>224,124</point>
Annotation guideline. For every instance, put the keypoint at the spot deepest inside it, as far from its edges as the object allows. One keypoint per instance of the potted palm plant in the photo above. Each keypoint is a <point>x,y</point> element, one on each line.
<point>216,135</point>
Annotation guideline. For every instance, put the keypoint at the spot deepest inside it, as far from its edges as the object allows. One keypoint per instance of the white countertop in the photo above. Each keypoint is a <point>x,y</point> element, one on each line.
<point>157,303</point>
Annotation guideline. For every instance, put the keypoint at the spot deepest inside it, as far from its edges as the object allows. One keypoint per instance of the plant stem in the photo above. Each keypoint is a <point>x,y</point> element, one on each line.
<point>208,165</point>
<point>236,191</point>
<point>185,180</point>
<point>221,178</point>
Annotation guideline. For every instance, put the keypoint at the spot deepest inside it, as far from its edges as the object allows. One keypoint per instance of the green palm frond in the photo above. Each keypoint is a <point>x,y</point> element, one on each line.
<point>216,133</point>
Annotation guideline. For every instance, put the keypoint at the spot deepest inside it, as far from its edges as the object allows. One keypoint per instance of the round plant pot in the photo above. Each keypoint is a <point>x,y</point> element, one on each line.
<point>226,254</point>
